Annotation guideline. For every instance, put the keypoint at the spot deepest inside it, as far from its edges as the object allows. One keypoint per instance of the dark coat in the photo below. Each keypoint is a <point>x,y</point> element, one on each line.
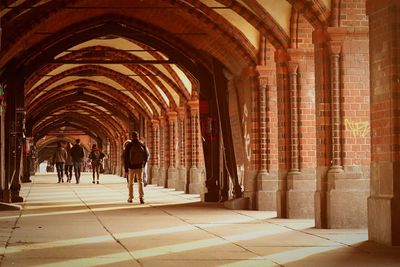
<point>77,153</point>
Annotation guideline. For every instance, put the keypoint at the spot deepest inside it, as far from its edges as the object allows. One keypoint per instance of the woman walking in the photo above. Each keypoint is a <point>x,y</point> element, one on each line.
<point>96,157</point>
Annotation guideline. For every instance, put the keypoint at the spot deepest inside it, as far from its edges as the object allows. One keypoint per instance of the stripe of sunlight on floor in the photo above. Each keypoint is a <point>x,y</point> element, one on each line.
<point>93,240</point>
<point>171,249</point>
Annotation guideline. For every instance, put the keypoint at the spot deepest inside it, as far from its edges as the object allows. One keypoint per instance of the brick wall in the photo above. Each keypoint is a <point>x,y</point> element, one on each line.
<point>356,102</point>
<point>353,14</point>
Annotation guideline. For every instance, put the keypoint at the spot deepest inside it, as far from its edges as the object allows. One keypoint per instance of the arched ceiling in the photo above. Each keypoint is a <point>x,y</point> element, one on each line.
<point>111,61</point>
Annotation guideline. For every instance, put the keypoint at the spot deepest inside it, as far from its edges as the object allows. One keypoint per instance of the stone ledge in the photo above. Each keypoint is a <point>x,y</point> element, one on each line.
<point>237,203</point>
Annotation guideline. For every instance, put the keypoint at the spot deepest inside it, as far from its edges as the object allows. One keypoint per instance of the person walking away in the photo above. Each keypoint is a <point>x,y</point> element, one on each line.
<point>136,156</point>
<point>96,157</point>
<point>59,157</point>
<point>77,155</point>
<point>68,163</point>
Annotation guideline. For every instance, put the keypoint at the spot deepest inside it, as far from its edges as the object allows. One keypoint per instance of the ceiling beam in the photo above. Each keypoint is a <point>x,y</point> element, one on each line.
<point>104,61</point>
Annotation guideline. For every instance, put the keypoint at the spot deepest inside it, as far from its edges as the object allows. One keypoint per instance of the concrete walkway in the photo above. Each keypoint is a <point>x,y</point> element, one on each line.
<point>93,225</point>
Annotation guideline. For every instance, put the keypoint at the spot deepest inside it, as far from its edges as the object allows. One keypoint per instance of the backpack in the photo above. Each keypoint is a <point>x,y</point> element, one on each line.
<point>96,156</point>
<point>136,154</point>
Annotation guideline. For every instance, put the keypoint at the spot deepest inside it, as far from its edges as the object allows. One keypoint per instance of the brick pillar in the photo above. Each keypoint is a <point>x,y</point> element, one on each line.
<point>173,174</point>
<point>267,180</point>
<point>182,181</point>
<point>196,184</point>
<point>161,181</point>
<point>340,66</point>
<point>301,177</point>
<point>384,201</point>
<point>155,153</point>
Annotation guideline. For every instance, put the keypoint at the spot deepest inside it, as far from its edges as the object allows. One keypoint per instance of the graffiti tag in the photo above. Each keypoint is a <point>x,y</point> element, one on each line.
<point>359,129</point>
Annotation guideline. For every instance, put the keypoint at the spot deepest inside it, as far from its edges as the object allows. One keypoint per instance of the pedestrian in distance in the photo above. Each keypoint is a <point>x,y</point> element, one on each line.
<point>78,156</point>
<point>59,157</point>
<point>135,159</point>
<point>68,163</point>
<point>96,158</point>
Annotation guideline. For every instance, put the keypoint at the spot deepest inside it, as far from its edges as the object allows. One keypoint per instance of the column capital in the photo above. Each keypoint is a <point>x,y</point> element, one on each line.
<point>263,73</point>
<point>193,105</point>
<point>155,123</point>
<point>336,38</point>
<point>172,115</point>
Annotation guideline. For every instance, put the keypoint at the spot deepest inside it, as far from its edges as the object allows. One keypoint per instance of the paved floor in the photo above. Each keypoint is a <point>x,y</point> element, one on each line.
<point>92,225</point>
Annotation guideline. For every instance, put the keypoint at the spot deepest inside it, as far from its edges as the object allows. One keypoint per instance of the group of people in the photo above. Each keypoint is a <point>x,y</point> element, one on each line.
<point>135,155</point>
<point>73,157</point>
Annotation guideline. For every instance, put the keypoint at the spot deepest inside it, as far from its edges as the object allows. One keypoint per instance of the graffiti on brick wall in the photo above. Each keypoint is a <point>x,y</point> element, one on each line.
<point>247,140</point>
<point>358,129</point>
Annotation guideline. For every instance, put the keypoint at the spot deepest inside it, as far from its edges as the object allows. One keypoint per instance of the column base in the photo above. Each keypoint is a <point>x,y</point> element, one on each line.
<point>241,203</point>
<point>196,185</point>
<point>250,188</point>
<point>320,210</point>
<point>281,204</point>
<point>182,180</point>
<point>300,194</point>
<point>172,177</point>
<point>346,200</point>
<point>384,220</point>
<point>267,186</point>
<point>162,177</point>
<point>154,174</point>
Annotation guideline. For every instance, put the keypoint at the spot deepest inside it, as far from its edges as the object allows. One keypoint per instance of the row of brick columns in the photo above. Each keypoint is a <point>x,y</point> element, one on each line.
<point>307,176</point>
<point>168,164</point>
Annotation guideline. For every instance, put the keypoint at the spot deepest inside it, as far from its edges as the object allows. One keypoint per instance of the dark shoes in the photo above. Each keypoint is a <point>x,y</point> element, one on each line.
<point>141,200</point>
<point>98,182</point>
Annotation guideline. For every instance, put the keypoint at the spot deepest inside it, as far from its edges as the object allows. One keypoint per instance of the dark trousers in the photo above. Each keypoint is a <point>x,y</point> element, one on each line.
<point>77,170</point>
<point>68,171</point>
<point>96,170</point>
<point>60,170</point>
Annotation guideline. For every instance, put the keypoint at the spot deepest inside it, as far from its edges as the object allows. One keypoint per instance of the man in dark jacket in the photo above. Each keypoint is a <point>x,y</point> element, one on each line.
<point>135,159</point>
<point>77,155</point>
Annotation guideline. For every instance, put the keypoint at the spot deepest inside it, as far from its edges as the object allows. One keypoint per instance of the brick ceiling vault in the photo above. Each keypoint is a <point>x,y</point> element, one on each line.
<point>93,65</point>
